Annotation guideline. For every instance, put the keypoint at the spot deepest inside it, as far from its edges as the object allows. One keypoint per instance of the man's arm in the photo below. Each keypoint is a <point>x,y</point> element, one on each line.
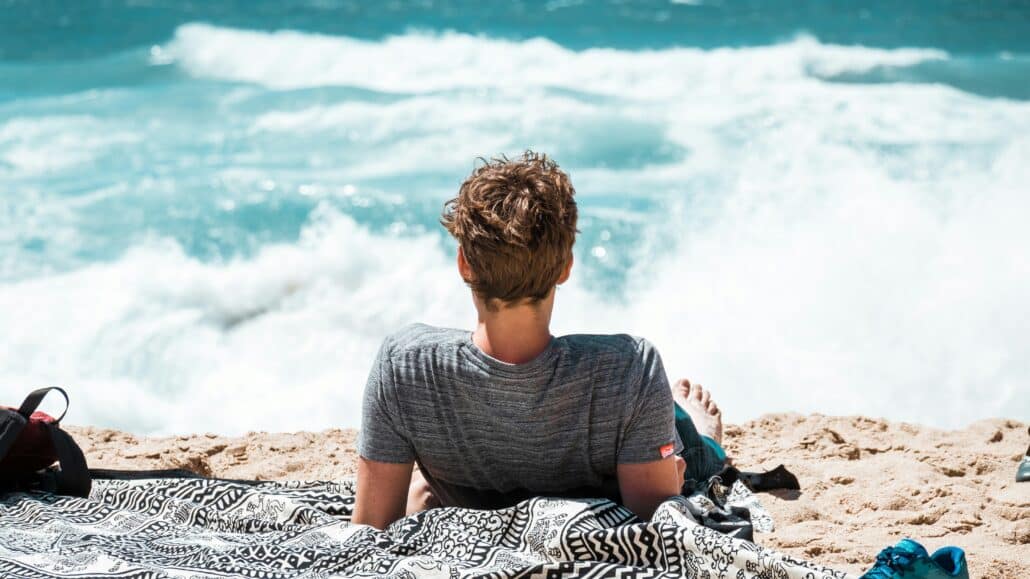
<point>646,485</point>
<point>382,493</point>
<point>385,455</point>
<point>647,466</point>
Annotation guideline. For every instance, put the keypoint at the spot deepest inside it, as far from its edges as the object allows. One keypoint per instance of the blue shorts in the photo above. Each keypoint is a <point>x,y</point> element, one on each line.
<point>704,457</point>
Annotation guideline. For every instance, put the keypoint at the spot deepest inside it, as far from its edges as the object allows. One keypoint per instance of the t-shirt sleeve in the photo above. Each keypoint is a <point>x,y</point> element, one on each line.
<point>382,437</point>
<point>650,430</point>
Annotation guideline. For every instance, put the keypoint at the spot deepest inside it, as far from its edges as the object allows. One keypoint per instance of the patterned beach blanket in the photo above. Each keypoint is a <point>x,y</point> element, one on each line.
<point>205,528</point>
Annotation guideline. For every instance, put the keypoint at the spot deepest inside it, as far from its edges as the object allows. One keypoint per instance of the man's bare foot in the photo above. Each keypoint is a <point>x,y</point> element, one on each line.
<point>698,404</point>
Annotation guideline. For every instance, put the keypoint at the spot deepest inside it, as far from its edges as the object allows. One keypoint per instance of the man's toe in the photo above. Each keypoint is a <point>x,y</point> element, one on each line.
<point>696,391</point>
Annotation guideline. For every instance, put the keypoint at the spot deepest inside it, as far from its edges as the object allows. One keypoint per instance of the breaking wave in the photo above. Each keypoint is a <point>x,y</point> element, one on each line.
<point>791,225</point>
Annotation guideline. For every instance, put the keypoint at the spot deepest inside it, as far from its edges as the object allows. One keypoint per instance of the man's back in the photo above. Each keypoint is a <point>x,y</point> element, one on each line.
<point>572,416</point>
<point>487,434</point>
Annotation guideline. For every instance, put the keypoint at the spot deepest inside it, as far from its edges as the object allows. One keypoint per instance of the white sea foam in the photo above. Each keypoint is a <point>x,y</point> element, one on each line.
<point>838,248</point>
<point>420,63</point>
<point>159,341</point>
<point>846,304</point>
<point>32,146</point>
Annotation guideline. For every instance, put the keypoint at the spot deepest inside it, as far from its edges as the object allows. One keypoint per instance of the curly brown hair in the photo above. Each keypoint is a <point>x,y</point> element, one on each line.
<point>515,220</point>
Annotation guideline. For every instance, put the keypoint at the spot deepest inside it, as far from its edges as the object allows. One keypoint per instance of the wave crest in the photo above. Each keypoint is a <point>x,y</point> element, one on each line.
<point>421,63</point>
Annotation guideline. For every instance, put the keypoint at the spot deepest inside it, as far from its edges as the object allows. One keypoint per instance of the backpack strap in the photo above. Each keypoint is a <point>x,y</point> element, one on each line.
<point>116,474</point>
<point>74,477</point>
<point>32,401</point>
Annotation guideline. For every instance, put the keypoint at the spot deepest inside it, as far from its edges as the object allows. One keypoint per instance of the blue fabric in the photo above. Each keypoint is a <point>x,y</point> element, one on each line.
<point>703,455</point>
<point>950,559</point>
<point>909,560</point>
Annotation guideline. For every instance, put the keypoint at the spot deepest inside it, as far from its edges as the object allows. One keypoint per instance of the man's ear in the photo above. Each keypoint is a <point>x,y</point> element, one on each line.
<point>568,271</point>
<point>464,269</point>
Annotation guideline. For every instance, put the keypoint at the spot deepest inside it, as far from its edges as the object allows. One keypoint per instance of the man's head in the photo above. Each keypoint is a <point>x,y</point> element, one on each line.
<point>515,222</point>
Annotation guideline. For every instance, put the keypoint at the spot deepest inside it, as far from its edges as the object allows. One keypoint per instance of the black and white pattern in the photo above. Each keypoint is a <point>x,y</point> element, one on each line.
<point>193,528</point>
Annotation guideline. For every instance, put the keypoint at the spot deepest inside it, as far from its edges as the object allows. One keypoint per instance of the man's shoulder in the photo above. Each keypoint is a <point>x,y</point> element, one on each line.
<point>619,345</point>
<point>419,337</point>
<point>618,361</point>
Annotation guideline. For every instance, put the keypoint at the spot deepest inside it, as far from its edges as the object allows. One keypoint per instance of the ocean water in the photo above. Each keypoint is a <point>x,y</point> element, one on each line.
<point>211,213</point>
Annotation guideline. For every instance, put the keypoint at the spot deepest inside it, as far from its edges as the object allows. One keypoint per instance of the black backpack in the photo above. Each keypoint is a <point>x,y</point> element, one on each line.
<point>31,443</point>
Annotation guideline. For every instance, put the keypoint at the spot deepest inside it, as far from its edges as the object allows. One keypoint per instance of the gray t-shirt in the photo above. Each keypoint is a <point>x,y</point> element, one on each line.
<point>487,434</point>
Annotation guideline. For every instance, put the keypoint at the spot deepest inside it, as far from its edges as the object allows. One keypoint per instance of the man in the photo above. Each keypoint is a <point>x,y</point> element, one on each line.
<point>508,411</point>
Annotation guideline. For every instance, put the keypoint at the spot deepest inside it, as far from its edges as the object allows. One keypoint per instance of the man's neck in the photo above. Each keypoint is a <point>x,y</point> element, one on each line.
<point>515,335</point>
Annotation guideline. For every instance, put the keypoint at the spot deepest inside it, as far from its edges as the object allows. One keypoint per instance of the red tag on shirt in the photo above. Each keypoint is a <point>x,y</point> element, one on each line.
<point>667,450</point>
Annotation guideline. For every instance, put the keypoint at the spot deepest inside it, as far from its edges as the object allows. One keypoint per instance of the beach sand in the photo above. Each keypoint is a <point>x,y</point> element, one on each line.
<point>866,483</point>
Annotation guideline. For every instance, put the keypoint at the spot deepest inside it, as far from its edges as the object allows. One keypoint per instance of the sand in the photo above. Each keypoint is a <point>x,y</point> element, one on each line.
<point>865,483</point>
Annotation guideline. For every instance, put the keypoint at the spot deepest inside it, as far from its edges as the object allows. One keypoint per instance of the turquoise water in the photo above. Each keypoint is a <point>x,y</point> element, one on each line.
<point>812,206</point>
